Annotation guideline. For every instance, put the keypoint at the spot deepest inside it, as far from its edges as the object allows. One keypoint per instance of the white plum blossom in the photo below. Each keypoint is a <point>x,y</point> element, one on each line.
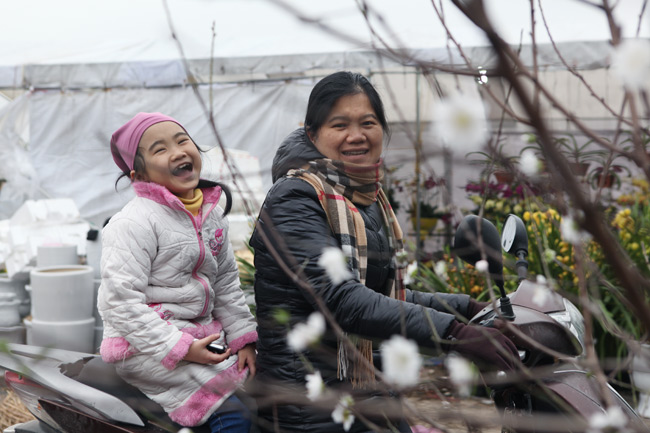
<point>571,231</point>
<point>185,430</point>
<point>482,266</point>
<point>401,362</point>
<point>315,386</point>
<point>306,334</point>
<point>342,413</point>
<point>612,420</point>
<point>529,164</point>
<point>335,265</point>
<point>440,268</point>
<point>631,63</point>
<point>461,374</point>
<point>528,138</point>
<point>549,255</point>
<point>541,292</point>
<point>460,122</point>
<point>411,271</point>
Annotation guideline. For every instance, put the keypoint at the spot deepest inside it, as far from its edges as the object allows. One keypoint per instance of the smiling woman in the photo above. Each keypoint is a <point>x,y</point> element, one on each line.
<point>331,223</point>
<point>352,132</point>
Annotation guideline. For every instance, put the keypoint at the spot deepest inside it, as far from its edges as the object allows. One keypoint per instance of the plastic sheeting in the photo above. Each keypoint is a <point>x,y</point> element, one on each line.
<point>69,135</point>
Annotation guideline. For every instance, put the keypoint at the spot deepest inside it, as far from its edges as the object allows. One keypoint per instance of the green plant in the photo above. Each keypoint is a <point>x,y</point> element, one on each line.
<point>247,273</point>
<point>495,162</point>
<point>607,176</point>
<point>427,210</point>
<point>579,156</point>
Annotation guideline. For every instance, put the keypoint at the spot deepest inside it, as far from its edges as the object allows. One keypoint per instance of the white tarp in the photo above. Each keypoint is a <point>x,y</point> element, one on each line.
<point>68,153</point>
<point>124,42</point>
<point>87,67</point>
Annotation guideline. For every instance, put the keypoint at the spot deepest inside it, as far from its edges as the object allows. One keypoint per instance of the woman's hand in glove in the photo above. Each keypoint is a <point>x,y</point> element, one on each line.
<point>487,347</point>
<point>474,307</point>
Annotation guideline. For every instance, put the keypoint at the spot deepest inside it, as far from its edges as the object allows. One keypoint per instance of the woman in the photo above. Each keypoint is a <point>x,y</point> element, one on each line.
<point>338,153</point>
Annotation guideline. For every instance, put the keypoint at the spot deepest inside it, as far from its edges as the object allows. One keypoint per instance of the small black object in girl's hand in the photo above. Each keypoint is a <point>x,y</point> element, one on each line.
<point>217,348</point>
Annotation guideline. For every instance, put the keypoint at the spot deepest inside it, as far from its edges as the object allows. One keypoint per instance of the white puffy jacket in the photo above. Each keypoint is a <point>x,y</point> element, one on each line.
<point>169,277</point>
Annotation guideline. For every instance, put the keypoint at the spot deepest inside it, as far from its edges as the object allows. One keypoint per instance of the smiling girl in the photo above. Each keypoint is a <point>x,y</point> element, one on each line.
<point>170,283</point>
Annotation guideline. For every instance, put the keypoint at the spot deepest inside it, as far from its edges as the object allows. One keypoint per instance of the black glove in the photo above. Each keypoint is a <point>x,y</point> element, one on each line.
<point>487,347</point>
<point>474,307</point>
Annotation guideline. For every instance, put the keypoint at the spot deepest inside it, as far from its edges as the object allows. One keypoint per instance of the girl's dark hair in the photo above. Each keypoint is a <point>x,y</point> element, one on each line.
<point>139,167</point>
<point>328,90</point>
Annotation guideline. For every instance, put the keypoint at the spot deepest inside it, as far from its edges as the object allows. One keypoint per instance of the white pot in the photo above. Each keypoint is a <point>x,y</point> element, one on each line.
<point>9,315</point>
<point>56,255</point>
<point>77,335</point>
<point>641,379</point>
<point>62,293</point>
<point>13,334</point>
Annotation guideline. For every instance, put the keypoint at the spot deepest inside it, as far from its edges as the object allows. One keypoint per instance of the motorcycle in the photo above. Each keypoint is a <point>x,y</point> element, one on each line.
<point>74,392</point>
<point>548,332</point>
<point>70,392</point>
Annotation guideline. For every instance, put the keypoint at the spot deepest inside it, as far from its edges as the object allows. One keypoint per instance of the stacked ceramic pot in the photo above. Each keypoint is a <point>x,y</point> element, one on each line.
<point>14,305</point>
<point>62,301</point>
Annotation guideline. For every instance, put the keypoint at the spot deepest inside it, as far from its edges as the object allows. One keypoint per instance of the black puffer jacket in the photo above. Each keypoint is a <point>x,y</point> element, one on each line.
<point>300,225</point>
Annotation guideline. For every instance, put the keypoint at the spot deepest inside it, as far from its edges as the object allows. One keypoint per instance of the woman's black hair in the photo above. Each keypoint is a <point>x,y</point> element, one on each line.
<point>328,90</point>
<point>139,167</point>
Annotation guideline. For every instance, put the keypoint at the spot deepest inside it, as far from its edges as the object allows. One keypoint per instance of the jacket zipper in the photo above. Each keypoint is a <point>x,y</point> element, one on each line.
<point>199,262</point>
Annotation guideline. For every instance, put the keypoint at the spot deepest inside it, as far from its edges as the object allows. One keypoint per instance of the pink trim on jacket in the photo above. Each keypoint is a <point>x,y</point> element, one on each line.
<point>202,331</point>
<point>115,349</point>
<point>204,401</point>
<point>239,342</point>
<point>163,196</point>
<point>178,352</point>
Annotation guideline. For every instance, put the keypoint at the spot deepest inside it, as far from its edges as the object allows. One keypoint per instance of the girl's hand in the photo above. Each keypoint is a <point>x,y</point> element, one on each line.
<point>198,352</point>
<point>247,356</point>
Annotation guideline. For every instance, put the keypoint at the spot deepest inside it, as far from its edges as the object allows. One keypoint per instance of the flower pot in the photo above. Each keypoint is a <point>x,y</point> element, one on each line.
<point>77,335</point>
<point>640,372</point>
<point>56,255</point>
<point>504,177</point>
<point>605,181</point>
<point>17,287</point>
<point>9,315</point>
<point>61,293</point>
<point>579,168</point>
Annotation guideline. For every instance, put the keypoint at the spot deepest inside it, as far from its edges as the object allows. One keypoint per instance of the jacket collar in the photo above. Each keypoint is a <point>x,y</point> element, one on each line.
<point>161,195</point>
<point>294,152</point>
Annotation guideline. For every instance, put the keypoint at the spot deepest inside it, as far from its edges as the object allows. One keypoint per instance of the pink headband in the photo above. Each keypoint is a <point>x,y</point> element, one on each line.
<point>124,142</point>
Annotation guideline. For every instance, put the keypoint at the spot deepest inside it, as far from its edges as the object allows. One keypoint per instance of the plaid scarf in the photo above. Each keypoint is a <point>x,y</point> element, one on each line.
<point>341,186</point>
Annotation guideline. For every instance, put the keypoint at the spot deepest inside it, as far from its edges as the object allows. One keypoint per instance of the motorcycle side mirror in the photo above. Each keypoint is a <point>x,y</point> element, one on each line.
<point>514,238</point>
<point>475,236</point>
<point>514,241</point>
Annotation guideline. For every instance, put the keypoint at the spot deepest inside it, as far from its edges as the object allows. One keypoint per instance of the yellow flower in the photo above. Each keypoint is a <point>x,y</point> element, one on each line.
<point>517,209</point>
<point>489,204</point>
<point>634,246</point>
<point>526,216</point>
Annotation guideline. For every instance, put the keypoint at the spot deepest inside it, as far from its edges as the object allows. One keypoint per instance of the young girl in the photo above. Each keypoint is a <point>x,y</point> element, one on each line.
<point>170,284</point>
